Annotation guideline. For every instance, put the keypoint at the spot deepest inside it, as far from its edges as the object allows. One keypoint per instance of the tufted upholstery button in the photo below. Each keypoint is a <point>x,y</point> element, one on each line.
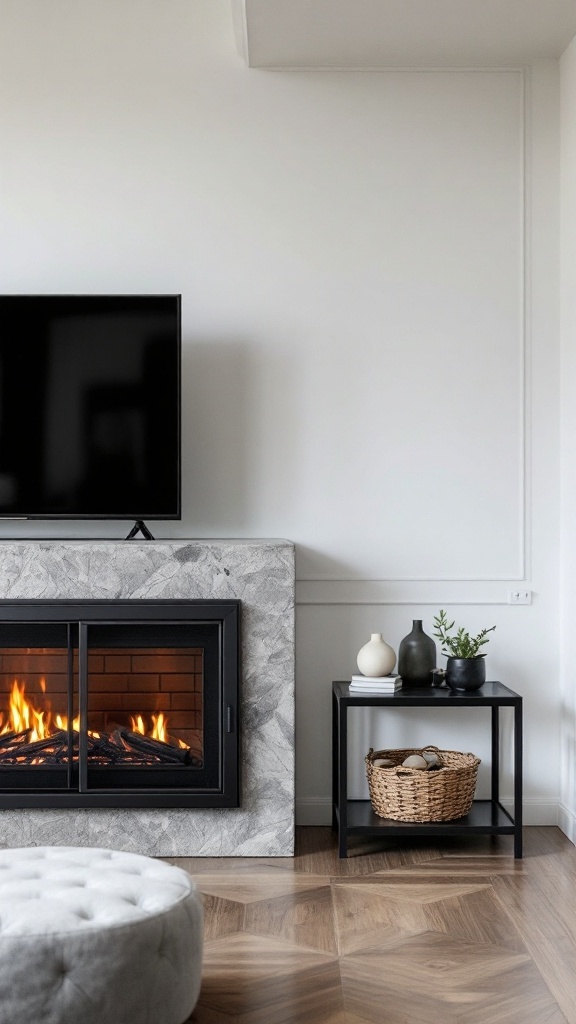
<point>101,936</point>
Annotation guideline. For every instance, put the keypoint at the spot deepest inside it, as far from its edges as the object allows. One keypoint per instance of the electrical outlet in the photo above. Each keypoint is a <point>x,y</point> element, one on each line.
<point>519,596</point>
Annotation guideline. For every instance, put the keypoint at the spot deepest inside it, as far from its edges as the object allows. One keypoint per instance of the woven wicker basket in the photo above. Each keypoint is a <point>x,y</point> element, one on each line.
<point>412,794</point>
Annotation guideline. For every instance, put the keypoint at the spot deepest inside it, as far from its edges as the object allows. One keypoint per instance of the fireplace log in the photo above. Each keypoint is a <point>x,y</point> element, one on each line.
<point>122,747</point>
<point>113,749</point>
<point>130,747</point>
<point>31,750</point>
<point>156,748</point>
<point>164,752</point>
<point>126,753</point>
<point>10,739</point>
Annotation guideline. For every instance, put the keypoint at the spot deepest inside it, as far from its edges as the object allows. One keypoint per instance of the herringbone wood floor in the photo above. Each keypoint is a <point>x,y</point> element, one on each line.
<point>455,933</point>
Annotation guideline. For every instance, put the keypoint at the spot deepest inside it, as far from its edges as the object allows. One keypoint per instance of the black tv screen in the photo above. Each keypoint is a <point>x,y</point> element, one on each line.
<point>90,406</point>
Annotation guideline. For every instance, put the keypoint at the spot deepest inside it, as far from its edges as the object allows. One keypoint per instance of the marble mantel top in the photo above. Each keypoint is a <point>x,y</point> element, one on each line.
<point>141,543</point>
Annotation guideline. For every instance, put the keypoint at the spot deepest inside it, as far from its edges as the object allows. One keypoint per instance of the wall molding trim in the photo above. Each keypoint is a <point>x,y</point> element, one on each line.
<point>394,69</point>
<point>405,592</point>
<point>525,454</point>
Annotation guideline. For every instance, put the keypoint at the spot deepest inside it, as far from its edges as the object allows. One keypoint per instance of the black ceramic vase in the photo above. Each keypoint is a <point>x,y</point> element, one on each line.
<point>417,657</point>
<point>466,673</point>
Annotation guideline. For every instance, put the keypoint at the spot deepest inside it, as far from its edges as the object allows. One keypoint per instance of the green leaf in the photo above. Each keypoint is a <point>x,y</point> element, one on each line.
<point>462,645</point>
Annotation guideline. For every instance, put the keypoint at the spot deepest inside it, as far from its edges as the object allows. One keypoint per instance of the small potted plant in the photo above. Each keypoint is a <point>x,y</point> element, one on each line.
<point>465,668</point>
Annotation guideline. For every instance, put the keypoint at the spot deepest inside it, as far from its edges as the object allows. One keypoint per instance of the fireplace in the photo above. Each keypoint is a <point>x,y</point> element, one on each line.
<point>120,703</point>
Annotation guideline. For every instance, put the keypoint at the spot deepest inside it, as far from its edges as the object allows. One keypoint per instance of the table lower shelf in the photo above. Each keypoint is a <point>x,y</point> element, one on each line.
<point>485,816</point>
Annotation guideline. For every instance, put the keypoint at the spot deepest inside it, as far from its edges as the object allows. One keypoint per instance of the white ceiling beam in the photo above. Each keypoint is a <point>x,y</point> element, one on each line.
<point>390,33</point>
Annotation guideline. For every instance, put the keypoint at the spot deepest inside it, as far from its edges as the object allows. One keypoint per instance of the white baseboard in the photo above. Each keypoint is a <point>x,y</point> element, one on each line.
<point>567,822</point>
<point>534,810</point>
<point>314,810</point>
<point>317,810</point>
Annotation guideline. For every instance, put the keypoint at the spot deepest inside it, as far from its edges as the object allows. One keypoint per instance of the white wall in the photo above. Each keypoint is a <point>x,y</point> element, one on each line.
<point>368,265</point>
<point>568,445</point>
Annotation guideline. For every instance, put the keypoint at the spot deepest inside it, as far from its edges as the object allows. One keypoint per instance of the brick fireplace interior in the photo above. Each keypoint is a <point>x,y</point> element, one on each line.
<point>149,690</point>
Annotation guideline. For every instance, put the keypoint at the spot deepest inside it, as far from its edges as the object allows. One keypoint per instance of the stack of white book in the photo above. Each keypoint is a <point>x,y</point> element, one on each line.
<point>375,684</point>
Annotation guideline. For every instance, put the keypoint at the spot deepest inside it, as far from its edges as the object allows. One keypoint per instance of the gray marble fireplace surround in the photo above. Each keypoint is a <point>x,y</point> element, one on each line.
<point>260,573</point>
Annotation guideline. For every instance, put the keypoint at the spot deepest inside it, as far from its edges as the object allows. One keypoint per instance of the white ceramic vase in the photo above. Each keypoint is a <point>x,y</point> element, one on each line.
<point>376,658</point>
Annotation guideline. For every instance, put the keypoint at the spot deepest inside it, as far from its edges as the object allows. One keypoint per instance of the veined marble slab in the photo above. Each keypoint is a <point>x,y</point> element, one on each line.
<point>260,573</point>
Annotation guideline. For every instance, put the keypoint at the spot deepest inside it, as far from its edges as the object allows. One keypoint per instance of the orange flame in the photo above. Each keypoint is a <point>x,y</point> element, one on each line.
<point>22,715</point>
<point>157,731</point>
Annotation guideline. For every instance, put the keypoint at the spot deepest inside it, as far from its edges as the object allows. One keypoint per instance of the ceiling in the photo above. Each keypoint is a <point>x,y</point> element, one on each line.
<point>401,33</point>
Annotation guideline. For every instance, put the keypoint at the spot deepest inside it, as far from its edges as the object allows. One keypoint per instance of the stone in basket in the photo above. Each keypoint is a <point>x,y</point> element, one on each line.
<point>441,792</point>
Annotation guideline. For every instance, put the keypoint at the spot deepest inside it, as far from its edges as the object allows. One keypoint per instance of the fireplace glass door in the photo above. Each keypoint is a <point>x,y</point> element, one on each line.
<point>134,707</point>
<point>147,721</point>
<point>38,706</point>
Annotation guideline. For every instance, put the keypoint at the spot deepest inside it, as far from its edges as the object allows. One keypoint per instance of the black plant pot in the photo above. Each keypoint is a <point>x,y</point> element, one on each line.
<point>466,673</point>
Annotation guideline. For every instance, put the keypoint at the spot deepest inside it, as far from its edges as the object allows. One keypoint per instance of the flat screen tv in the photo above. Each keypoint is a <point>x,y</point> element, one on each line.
<point>90,406</point>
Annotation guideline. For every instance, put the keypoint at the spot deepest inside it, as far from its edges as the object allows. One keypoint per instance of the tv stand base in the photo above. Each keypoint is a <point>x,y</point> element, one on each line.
<point>140,527</point>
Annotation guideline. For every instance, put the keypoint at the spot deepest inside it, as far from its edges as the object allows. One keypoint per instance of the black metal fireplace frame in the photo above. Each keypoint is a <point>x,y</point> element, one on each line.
<point>83,613</point>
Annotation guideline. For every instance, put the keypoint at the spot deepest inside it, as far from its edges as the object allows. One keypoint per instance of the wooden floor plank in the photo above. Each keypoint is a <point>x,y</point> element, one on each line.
<point>456,932</point>
<point>436,978</point>
<point>550,940</point>
<point>305,918</point>
<point>261,980</point>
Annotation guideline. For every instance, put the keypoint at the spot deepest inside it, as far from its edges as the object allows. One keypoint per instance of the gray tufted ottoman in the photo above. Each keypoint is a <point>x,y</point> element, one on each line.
<point>96,937</point>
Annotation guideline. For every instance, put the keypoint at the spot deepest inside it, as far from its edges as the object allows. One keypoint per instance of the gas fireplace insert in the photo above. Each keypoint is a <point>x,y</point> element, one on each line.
<point>119,703</point>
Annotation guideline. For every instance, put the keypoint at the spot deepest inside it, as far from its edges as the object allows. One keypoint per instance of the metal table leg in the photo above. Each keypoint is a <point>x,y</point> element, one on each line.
<point>518,780</point>
<point>343,780</point>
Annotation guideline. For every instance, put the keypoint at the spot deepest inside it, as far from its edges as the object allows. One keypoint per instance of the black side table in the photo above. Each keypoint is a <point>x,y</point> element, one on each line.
<point>356,817</point>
